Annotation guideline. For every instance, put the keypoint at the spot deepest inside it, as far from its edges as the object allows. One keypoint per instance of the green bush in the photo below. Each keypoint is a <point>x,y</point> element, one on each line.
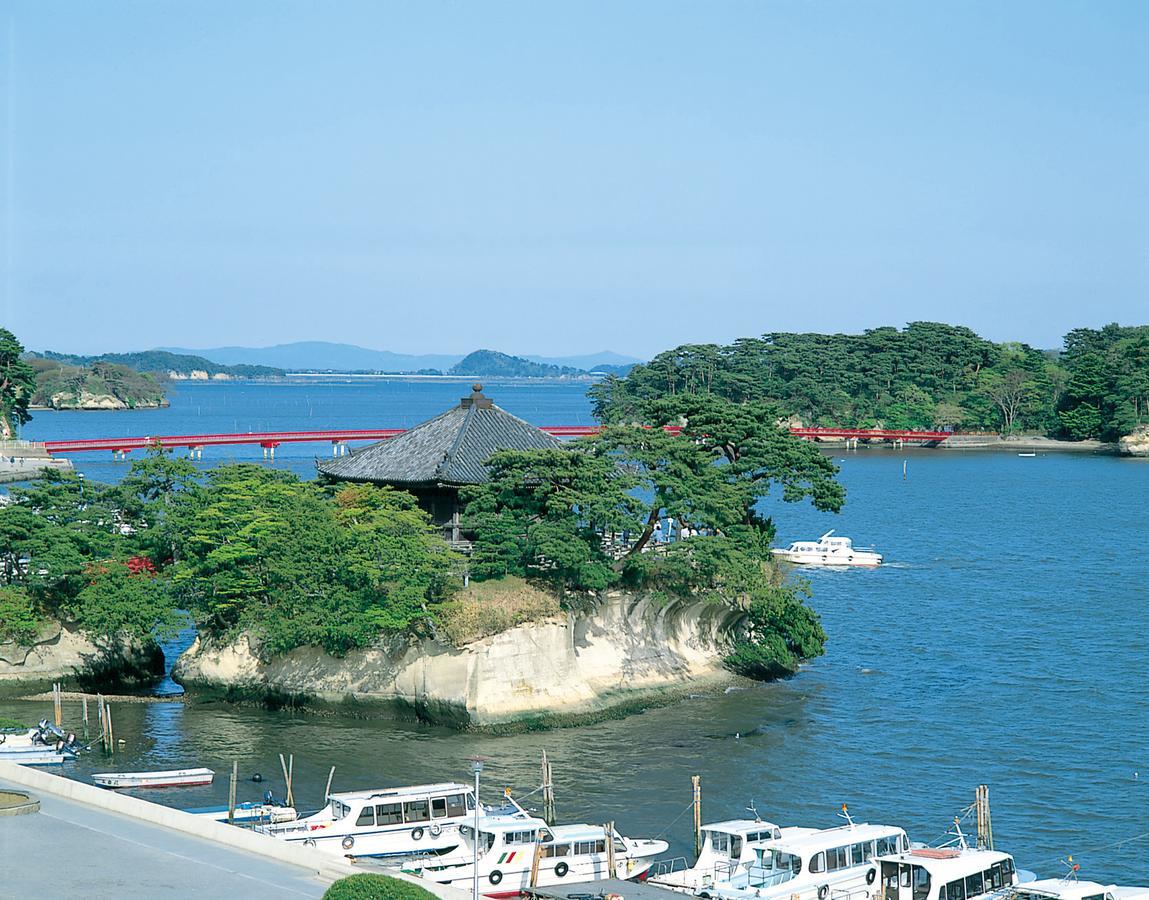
<point>19,621</point>
<point>375,887</point>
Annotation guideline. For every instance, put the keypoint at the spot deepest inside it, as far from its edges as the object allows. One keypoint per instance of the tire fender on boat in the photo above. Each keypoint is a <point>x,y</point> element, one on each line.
<point>561,869</point>
<point>348,842</point>
<point>496,876</point>
<point>871,875</point>
<point>436,830</point>
<point>416,834</point>
<point>309,842</point>
<point>823,892</point>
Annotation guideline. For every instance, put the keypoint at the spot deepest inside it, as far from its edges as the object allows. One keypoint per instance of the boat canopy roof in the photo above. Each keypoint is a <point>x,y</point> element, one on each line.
<point>818,839</point>
<point>742,826</point>
<point>578,832</point>
<point>948,862</point>
<point>402,793</point>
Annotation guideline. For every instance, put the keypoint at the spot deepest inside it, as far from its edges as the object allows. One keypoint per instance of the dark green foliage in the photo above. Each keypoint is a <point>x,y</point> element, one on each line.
<point>62,386</point>
<point>375,887</point>
<point>297,565</point>
<point>162,362</point>
<point>19,620</point>
<point>17,385</point>
<point>1108,387</point>
<point>925,376</point>
<point>491,363</point>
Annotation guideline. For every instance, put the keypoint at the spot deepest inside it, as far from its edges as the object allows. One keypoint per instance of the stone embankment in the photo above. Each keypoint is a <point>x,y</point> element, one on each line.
<point>1136,443</point>
<point>22,460</point>
<point>625,653</point>
<point>60,654</point>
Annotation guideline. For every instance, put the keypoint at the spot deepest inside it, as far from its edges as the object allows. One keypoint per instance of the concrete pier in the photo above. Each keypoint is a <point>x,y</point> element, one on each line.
<point>89,842</point>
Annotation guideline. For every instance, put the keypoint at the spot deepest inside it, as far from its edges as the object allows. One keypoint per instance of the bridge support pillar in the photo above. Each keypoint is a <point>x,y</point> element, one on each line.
<point>195,452</point>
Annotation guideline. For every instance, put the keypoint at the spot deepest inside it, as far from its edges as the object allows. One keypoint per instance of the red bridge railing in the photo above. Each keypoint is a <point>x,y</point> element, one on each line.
<point>272,439</point>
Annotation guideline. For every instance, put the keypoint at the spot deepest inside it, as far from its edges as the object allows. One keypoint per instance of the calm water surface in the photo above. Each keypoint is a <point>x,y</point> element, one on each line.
<point>1003,643</point>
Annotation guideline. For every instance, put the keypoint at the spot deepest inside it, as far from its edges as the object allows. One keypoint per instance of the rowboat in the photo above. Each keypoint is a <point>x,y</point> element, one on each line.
<point>173,778</point>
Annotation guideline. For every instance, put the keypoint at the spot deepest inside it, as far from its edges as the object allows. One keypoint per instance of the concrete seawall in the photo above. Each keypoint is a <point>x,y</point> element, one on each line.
<point>322,865</point>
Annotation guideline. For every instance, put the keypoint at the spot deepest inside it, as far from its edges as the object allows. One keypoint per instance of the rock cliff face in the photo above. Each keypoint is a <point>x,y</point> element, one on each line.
<point>1136,443</point>
<point>60,654</point>
<point>629,652</point>
<point>87,400</point>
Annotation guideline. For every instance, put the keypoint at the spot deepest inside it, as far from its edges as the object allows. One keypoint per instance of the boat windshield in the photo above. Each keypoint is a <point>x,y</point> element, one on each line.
<point>486,839</point>
<point>339,809</point>
<point>775,867</point>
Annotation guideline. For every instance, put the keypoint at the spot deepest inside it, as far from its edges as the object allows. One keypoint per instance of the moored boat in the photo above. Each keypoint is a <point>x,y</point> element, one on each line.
<point>250,812</point>
<point>1070,888</point>
<point>518,852</point>
<point>391,823</point>
<point>946,873</point>
<point>828,551</point>
<point>171,778</point>
<point>726,847</point>
<point>36,756</point>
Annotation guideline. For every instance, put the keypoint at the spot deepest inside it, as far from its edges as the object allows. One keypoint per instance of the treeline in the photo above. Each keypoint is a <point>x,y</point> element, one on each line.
<point>925,376</point>
<point>62,386</point>
<point>161,362</point>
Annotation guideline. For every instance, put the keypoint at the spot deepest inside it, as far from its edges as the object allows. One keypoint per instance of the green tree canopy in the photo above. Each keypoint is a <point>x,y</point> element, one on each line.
<point>17,385</point>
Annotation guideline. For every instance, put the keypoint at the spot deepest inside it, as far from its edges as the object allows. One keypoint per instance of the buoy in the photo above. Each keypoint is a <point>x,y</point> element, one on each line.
<point>257,778</point>
<point>120,741</point>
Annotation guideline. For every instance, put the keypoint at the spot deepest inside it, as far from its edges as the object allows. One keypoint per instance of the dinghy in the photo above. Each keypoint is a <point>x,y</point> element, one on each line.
<point>173,778</point>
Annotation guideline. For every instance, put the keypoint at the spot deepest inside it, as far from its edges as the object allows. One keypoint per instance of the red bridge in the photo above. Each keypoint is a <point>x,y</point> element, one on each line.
<point>269,440</point>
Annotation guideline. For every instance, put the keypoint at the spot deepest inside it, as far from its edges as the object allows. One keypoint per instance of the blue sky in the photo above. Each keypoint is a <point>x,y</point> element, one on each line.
<point>554,178</point>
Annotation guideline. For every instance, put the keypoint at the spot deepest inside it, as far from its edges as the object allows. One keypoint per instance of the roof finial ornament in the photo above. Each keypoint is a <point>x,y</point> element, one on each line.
<point>476,399</point>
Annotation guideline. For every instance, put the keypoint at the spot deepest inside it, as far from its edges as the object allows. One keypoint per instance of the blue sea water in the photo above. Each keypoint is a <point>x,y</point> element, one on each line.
<point>1004,642</point>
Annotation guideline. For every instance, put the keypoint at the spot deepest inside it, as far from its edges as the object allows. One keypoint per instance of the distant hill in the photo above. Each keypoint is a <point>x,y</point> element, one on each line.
<point>323,356</point>
<point>604,361</point>
<point>492,363</point>
<point>164,362</point>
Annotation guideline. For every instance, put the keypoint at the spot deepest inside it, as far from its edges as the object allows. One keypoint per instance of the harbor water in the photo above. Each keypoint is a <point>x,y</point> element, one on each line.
<point>1003,642</point>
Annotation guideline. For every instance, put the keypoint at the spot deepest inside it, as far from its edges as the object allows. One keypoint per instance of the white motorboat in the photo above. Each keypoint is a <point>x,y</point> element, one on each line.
<point>927,873</point>
<point>390,823</point>
<point>171,778</point>
<point>514,851</point>
<point>726,847</point>
<point>1070,888</point>
<point>810,863</point>
<point>250,812</point>
<point>36,756</point>
<point>828,551</point>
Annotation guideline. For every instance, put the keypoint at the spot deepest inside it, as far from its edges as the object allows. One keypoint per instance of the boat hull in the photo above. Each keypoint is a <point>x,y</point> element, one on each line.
<point>179,778</point>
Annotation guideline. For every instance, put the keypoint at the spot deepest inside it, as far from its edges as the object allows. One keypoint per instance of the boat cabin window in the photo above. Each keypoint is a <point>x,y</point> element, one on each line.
<point>339,809</point>
<point>720,841</point>
<point>584,847</point>
<point>735,847</point>
<point>755,837</point>
<point>619,846</point>
<point>366,816</point>
<point>955,890</point>
<point>389,814</point>
<point>416,811</point>
<point>438,807</point>
<point>974,885</point>
<point>557,850</point>
<point>778,861</point>
<point>818,863</point>
<point>888,846</point>
<point>838,858</point>
<point>456,805</point>
<point>519,837</point>
<point>897,881</point>
<point>921,883</point>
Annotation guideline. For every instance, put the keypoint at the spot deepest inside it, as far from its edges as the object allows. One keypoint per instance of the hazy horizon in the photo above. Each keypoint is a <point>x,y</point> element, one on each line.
<point>557,179</point>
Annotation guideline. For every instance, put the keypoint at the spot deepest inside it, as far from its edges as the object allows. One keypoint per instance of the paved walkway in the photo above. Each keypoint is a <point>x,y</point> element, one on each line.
<point>72,850</point>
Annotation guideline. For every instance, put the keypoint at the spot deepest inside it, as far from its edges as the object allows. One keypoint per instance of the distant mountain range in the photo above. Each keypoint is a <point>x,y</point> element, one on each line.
<point>323,356</point>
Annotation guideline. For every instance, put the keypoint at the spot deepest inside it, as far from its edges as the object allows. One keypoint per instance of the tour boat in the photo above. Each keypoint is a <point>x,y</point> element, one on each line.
<point>1071,889</point>
<point>947,873</point>
<point>810,863</point>
<point>173,778</point>
<point>828,551</point>
<point>390,823</point>
<point>518,852</point>
<point>726,847</point>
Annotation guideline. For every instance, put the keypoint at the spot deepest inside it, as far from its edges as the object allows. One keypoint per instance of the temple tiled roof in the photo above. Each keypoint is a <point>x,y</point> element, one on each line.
<point>450,449</point>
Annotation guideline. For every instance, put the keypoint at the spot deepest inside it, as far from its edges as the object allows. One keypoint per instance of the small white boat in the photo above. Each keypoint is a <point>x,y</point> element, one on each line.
<point>250,812</point>
<point>828,551</point>
<point>36,756</point>
<point>173,778</point>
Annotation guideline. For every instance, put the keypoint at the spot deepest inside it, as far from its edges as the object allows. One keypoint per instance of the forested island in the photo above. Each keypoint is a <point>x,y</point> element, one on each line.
<point>925,376</point>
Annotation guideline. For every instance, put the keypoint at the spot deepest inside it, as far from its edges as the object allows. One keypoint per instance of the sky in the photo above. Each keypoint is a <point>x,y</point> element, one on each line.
<point>559,178</point>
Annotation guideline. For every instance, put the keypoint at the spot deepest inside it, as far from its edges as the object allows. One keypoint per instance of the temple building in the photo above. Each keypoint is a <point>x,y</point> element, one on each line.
<point>435,459</point>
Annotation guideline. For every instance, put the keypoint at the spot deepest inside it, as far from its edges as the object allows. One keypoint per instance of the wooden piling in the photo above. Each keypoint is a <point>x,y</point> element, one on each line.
<point>57,706</point>
<point>231,792</point>
<point>535,864</point>
<point>696,783</point>
<point>85,707</point>
<point>608,828</point>
<point>288,771</point>
<point>548,792</point>
<point>111,732</point>
<point>984,821</point>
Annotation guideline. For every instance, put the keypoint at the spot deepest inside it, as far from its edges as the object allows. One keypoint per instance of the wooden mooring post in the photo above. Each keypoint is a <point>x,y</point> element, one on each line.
<point>85,707</point>
<point>57,706</point>
<point>696,783</point>
<point>548,792</point>
<point>231,792</point>
<point>984,822</point>
<point>288,771</point>
<point>608,828</point>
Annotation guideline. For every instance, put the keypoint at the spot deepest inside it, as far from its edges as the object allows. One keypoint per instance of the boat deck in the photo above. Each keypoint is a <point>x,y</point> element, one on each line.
<point>631,890</point>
